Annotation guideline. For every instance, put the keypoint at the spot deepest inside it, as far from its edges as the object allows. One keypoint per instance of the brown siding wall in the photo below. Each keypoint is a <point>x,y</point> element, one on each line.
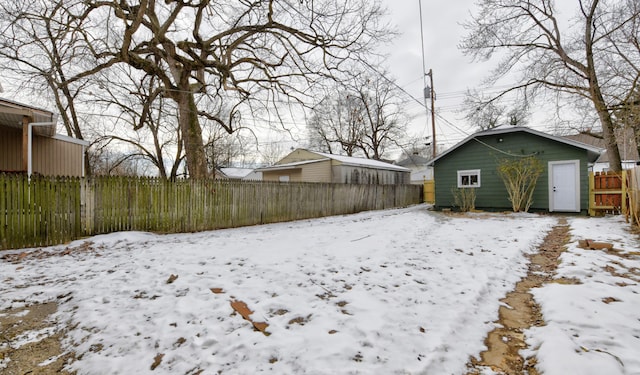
<point>51,157</point>
<point>295,175</point>
<point>56,157</point>
<point>269,176</point>
<point>10,149</point>
<point>313,172</point>
<point>317,172</point>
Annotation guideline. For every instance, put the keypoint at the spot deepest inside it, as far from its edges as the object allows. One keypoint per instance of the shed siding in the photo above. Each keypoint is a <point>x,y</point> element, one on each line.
<point>269,176</point>
<point>486,155</point>
<point>317,172</point>
<point>295,175</point>
<point>56,157</point>
<point>360,175</point>
<point>10,149</point>
<point>323,168</point>
<point>51,157</point>
<point>312,172</point>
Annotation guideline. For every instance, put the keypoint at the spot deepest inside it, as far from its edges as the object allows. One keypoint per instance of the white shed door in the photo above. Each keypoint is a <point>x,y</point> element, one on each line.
<point>564,186</point>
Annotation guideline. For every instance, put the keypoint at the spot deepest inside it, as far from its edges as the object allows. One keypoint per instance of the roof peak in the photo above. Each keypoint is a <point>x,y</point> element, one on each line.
<point>592,150</point>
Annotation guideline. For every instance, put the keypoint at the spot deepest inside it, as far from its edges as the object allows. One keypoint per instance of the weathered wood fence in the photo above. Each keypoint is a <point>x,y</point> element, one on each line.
<point>429,192</point>
<point>608,193</point>
<point>633,194</point>
<point>46,211</point>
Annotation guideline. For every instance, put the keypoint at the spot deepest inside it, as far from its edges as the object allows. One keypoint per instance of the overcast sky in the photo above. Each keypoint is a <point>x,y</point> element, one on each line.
<point>453,73</point>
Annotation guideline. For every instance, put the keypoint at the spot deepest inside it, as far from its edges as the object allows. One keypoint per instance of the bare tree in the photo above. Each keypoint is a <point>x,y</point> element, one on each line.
<point>151,132</point>
<point>201,50</point>
<point>627,116</point>
<point>337,122</point>
<point>40,43</point>
<point>417,147</point>
<point>385,122</point>
<point>272,152</point>
<point>483,115</point>
<point>224,149</point>
<point>318,139</point>
<point>361,115</point>
<point>595,58</point>
<point>486,113</point>
<point>109,161</point>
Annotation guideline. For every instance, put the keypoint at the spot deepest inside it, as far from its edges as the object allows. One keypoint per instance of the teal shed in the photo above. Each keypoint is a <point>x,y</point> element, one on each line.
<point>473,163</point>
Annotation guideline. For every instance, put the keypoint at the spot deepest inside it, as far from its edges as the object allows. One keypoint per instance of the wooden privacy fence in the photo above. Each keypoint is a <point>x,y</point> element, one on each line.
<point>429,191</point>
<point>633,193</point>
<point>607,193</point>
<point>47,211</point>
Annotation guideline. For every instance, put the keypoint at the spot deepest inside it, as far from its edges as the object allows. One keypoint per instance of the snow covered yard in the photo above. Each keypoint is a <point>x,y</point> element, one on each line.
<point>396,291</point>
<point>592,324</point>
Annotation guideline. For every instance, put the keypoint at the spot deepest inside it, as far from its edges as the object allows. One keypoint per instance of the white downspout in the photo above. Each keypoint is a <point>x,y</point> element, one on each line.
<point>30,141</point>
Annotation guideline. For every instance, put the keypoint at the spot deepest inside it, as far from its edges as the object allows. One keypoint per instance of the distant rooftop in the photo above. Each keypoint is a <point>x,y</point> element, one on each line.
<point>362,162</point>
<point>626,144</point>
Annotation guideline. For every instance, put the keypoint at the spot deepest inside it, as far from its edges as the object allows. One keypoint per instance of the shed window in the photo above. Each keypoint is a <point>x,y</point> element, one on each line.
<point>469,178</point>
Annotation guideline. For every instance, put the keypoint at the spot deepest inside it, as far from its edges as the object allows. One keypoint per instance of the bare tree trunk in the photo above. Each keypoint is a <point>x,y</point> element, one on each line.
<point>636,132</point>
<point>608,134</point>
<point>549,59</point>
<point>191,134</point>
<point>608,129</point>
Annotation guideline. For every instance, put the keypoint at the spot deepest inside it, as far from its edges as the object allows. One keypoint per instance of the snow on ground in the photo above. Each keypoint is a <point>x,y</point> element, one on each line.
<point>592,327</point>
<point>395,291</point>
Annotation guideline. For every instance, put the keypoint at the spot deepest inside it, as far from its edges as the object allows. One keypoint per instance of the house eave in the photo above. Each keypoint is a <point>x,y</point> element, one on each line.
<point>362,163</point>
<point>68,139</point>
<point>12,114</point>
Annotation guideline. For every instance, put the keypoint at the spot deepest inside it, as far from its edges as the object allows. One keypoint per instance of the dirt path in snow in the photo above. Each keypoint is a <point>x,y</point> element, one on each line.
<point>521,312</point>
<point>30,342</point>
<point>30,339</point>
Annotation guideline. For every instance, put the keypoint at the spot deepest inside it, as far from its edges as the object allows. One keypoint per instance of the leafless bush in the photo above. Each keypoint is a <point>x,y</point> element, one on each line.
<point>464,198</point>
<point>520,177</point>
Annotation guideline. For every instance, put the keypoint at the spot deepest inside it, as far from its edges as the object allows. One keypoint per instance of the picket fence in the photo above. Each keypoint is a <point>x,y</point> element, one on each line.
<point>44,211</point>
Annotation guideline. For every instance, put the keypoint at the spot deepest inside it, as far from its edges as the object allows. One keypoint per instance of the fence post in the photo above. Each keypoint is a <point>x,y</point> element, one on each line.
<point>634,183</point>
<point>429,195</point>
<point>592,194</point>
<point>3,211</point>
<point>623,203</point>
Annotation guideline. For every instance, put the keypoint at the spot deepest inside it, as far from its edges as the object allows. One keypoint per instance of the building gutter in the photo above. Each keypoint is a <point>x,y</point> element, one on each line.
<point>30,125</point>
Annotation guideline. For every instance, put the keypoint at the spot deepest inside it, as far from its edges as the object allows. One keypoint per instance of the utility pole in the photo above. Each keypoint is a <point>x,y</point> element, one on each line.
<point>431,94</point>
<point>428,90</point>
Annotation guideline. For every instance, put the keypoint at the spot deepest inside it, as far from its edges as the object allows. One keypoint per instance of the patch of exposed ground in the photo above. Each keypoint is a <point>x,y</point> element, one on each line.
<point>519,311</point>
<point>30,341</point>
<point>29,338</point>
<point>84,247</point>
